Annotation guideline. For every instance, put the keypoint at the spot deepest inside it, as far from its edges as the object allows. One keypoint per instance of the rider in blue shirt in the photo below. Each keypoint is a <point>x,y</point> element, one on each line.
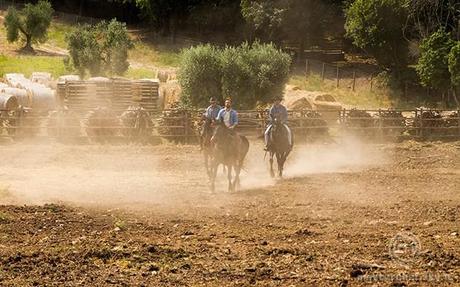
<point>278,111</point>
<point>227,115</point>
<point>213,110</point>
<point>209,116</point>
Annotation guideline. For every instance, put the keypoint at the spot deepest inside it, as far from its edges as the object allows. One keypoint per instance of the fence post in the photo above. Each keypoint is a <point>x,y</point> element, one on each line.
<point>421,131</point>
<point>185,121</point>
<point>405,90</point>
<point>338,77</point>
<point>323,70</point>
<point>354,81</point>
<point>307,69</point>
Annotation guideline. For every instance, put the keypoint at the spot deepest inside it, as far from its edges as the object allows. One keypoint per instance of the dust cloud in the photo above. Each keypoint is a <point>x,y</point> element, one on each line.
<point>150,175</point>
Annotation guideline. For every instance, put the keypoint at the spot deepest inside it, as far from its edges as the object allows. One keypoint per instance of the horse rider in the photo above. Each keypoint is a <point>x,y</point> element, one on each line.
<point>210,115</point>
<point>228,116</point>
<point>212,111</point>
<point>277,111</point>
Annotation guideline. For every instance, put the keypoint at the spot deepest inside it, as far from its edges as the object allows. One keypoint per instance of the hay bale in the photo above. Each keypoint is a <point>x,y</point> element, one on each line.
<point>101,124</point>
<point>176,123</point>
<point>137,123</point>
<point>8,102</point>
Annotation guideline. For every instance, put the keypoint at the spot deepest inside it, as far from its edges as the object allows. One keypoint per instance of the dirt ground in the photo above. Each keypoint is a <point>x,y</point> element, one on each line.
<point>345,214</point>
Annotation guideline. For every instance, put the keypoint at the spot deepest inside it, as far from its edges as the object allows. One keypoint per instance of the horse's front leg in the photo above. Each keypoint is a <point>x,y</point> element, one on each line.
<point>236,182</point>
<point>213,174</point>
<point>272,172</point>
<point>206,163</point>
<point>280,159</point>
<point>229,177</point>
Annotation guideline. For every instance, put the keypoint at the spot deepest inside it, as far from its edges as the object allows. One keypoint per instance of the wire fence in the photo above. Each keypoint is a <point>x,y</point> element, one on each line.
<point>354,78</point>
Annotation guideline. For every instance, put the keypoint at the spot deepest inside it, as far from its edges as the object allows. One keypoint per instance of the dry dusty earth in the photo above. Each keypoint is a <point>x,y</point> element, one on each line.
<point>345,215</point>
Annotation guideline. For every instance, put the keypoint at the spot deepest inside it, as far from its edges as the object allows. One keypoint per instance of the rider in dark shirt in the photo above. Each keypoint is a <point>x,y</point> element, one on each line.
<point>278,111</point>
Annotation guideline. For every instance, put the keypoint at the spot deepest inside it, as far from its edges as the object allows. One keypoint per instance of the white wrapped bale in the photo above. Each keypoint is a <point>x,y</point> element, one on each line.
<point>65,78</point>
<point>8,102</point>
<point>41,78</point>
<point>21,95</point>
<point>43,98</point>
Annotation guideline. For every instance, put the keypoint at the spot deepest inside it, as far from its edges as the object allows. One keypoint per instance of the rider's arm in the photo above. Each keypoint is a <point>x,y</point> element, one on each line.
<point>284,115</point>
<point>234,119</point>
<point>219,116</point>
<point>207,113</point>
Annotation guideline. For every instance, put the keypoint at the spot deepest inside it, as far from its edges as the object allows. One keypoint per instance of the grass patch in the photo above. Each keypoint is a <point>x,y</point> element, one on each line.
<point>363,97</point>
<point>140,73</point>
<point>28,64</point>
<point>57,33</point>
<point>151,55</point>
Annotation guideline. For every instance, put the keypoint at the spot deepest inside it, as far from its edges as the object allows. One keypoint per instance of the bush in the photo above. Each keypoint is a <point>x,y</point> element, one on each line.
<point>200,75</point>
<point>454,64</point>
<point>432,66</point>
<point>100,49</point>
<point>30,24</point>
<point>249,74</point>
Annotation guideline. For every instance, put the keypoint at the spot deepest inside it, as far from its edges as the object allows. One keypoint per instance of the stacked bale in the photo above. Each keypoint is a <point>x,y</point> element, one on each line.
<point>177,124</point>
<point>101,124</point>
<point>137,124</point>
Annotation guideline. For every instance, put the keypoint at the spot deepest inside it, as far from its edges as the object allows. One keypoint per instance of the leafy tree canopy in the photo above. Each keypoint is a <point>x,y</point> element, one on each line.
<point>100,49</point>
<point>30,24</point>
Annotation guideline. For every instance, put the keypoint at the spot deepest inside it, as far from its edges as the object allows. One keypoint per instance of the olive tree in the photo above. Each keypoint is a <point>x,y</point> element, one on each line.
<point>29,24</point>
<point>100,49</point>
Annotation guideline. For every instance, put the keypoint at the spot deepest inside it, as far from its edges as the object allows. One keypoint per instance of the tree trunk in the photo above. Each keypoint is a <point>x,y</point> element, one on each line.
<point>28,46</point>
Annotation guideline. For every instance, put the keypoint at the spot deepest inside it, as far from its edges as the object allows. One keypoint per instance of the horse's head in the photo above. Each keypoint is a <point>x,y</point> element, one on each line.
<point>220,133</point>
<point>276,124</point>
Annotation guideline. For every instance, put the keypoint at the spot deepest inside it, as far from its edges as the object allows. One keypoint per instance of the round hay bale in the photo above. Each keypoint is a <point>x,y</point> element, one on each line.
<point>102,124</point>
<point>8,102</point>
<point>21,94</point>
<point>137,123</point>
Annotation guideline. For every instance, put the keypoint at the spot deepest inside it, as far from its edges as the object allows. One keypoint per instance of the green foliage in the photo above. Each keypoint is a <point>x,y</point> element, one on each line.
<point>30,24</point>
<point>376,26</point>
<point>249,74</point>
<point>264,16</point>
<point>299,21</point>
<point>100,49</point>
<point>454,64</point>
<point>200,75</point>
<point>432,66</point>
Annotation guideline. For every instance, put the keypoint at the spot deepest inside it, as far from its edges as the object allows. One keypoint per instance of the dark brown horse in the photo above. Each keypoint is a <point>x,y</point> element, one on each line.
<point>230,150</point>
<point>205,141</point>
<point>279,146</point>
